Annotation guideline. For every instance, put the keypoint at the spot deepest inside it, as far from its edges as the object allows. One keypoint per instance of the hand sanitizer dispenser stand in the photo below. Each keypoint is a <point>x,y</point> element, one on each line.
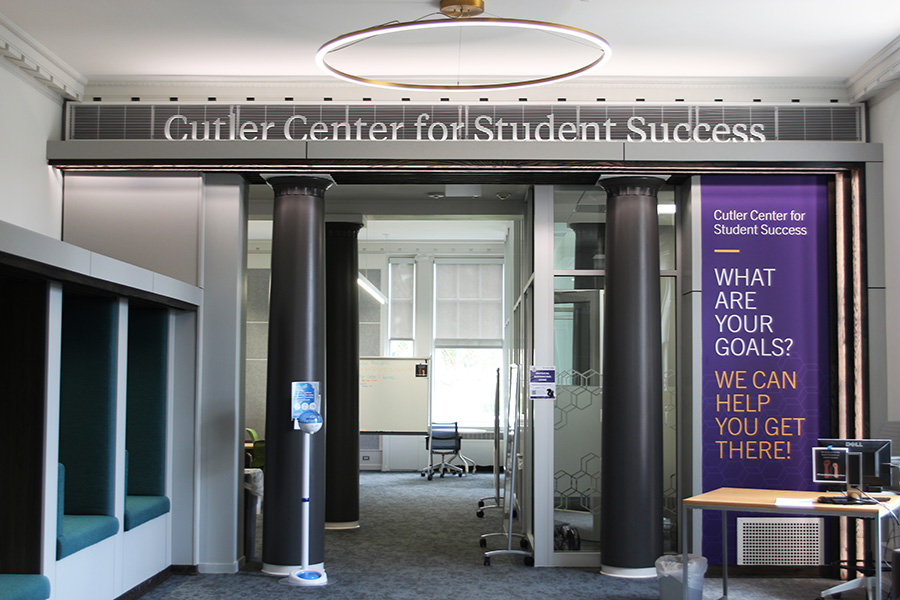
<point>309,421</point>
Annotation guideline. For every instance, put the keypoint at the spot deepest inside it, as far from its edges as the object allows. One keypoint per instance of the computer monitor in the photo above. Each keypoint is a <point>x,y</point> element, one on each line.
<point>830,465</point>
<point>868,461</point>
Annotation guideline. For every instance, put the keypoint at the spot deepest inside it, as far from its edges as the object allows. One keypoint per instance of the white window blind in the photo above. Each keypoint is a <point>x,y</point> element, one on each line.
<point>402,300</point>
<point>468,301</point>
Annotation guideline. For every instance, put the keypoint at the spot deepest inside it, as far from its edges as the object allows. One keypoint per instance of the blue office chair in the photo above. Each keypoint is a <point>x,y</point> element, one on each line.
<point>444,441</point>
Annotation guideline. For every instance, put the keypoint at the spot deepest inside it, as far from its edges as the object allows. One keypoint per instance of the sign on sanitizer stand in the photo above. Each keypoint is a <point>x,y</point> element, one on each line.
<point>307,419</point>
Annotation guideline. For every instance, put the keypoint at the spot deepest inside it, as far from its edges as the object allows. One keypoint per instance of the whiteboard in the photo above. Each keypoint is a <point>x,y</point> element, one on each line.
<point>392,397</point>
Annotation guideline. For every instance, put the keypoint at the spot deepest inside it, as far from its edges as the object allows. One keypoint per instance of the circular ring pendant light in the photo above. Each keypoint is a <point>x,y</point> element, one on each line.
<point>461,13</point>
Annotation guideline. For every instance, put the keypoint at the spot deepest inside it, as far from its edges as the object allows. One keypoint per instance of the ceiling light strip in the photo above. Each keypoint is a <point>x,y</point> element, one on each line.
<point>346,40</point>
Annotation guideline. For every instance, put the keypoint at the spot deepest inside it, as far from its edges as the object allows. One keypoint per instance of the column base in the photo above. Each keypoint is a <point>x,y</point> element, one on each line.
<point>629,573</point>
<point>336,525</point>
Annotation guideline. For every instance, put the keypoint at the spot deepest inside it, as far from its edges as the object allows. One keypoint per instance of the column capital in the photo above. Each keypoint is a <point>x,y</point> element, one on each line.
<point>632,185</point>
<point>347,229</point>
<point>589,220</point>
<point>299,184</point>
<point>346,218</point>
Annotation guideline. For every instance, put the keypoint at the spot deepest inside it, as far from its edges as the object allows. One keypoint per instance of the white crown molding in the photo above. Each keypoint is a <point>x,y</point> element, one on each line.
<point>879,72</point>
<point>43,68</point>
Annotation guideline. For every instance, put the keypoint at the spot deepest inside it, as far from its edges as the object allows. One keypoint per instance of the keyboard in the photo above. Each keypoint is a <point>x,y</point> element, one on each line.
<point>847,500</point>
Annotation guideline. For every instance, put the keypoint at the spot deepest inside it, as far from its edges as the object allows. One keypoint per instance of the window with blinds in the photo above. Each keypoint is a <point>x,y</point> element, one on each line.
<point>468,326</point>
<point>402,307</point>
<point>468,302</point>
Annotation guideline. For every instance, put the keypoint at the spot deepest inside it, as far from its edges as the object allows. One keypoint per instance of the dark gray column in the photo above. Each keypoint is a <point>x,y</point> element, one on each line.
<point>342,375</point>
<point>296,353</point>
<point>590,244</point>
<point>631,482</point>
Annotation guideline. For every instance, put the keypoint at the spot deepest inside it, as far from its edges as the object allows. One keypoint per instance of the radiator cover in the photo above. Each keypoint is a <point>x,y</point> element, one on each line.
<point>780,541</point>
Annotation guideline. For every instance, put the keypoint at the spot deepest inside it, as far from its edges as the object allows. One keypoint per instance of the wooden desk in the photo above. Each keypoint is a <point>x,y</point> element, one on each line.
<point>787,503</point>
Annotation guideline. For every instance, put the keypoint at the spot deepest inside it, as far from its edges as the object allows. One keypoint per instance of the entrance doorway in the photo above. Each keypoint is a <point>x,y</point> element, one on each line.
<point>411,232</point>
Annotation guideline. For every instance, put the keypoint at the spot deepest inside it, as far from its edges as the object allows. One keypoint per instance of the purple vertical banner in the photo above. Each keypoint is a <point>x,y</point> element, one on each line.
<point>765,335</point>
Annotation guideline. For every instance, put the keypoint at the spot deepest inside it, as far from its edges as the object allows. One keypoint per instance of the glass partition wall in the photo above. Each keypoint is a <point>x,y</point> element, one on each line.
<point>578,322</point>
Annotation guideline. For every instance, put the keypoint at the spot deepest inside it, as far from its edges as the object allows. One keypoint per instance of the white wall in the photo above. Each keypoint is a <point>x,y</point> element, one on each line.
<point>884,127</point>
<point>30,191</point>
<point>149,220</point>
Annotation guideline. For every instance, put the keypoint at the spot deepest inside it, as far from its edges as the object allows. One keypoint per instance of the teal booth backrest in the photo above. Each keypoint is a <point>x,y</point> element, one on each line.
<point>87,418</point>
<point>145,428</point>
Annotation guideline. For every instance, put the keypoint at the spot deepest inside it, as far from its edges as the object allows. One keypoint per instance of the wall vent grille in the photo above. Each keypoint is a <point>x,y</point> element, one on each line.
<point>292,121</point>
<point>780,541</point>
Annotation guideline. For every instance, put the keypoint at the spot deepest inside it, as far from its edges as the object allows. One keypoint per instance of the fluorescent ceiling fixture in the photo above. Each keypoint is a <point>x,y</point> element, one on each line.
<point>459,22</point>
<point>462,190</point>
<point>380,231</point>
<point>371,289</point>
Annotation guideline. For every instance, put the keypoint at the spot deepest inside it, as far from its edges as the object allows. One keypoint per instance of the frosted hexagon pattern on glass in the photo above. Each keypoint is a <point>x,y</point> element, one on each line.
<point>573,394</point>
<point>575,491</point>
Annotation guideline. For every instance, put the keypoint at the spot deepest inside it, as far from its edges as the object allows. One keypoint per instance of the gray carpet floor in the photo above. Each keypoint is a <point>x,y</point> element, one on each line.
<point>419,539</point>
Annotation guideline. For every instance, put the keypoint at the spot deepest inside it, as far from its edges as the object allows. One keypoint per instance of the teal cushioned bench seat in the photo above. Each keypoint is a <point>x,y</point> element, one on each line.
<point>24,587</point>
<point>74,532</point>
<point>81,531</point>
<point>140,509</point>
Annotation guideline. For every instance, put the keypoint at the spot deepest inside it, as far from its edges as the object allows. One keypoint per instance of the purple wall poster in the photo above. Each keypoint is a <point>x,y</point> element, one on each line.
<point>765,335</point>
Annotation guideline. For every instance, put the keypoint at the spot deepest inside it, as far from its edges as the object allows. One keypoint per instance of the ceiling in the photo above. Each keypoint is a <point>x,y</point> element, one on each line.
<point>254,45</point>
<point>130,39</point>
